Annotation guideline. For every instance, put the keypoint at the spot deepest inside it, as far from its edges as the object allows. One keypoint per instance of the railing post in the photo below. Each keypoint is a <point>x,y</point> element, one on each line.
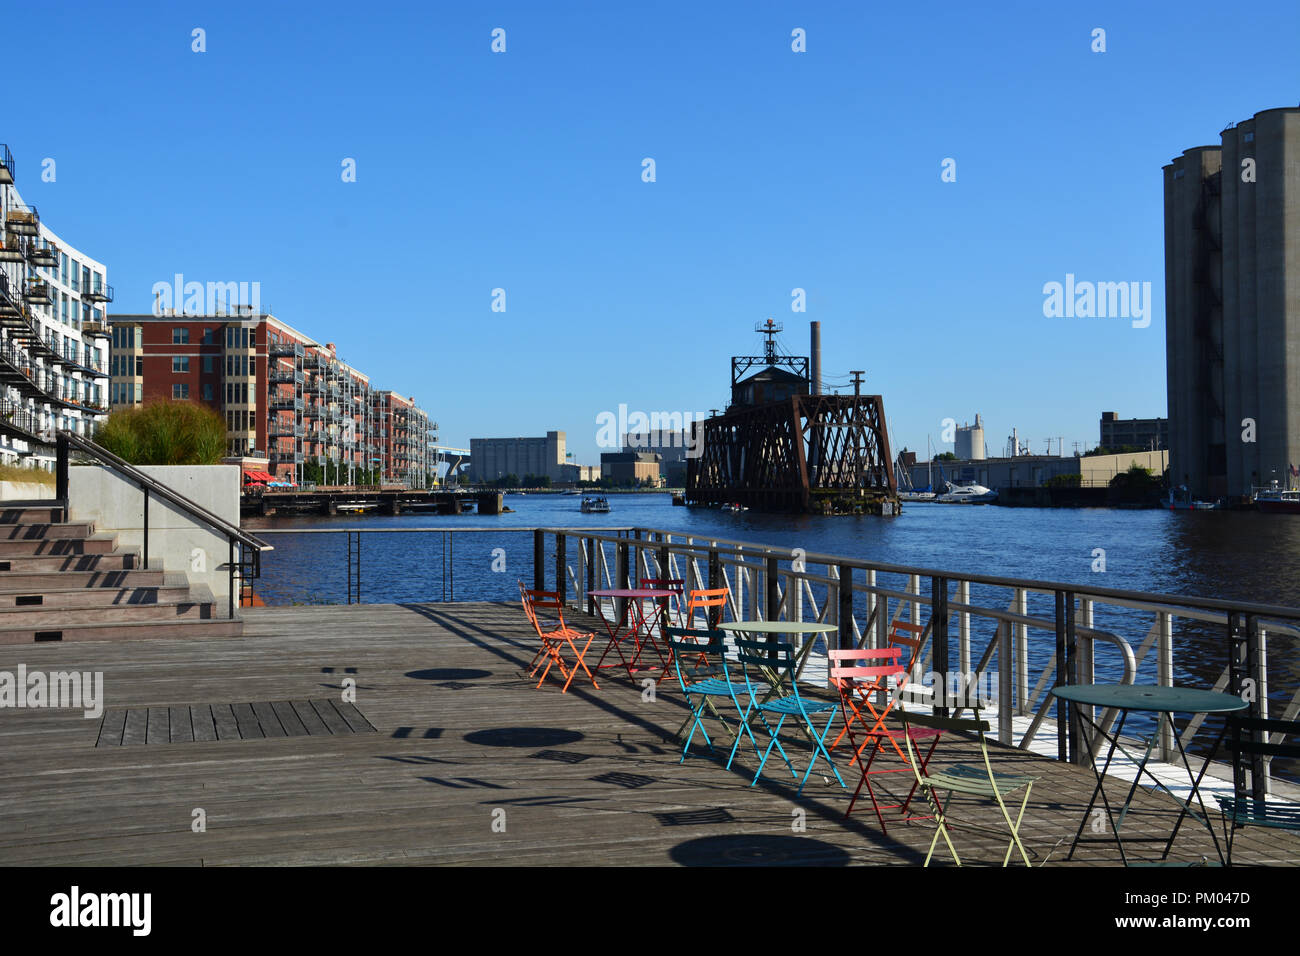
<point>1165,676</point>
<point>1020,652</point>
<point>963,627</point>
<point>845,612</point>
<point>620,580</point>
<point>1238,661</point>
<point>231,565</point>
<point>61,472</point>
<point>146,529</point>
<point>539,560</point>
<point>561,560</point>
<point>1067,741</point>
<point>1005,681</point>
<point>939,636</point>
<point>715,581</point>
<point>772,580</point>
<point>591,575</point>
<point>1255,669</point>
<point>1261,702</point>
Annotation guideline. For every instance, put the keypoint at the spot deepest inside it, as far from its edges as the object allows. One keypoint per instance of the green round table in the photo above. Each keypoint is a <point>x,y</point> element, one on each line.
<point>1164,702</point>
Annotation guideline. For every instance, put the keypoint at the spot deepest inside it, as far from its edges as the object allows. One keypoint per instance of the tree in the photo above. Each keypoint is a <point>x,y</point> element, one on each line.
<point>165,433</point>
<point>945,456</point>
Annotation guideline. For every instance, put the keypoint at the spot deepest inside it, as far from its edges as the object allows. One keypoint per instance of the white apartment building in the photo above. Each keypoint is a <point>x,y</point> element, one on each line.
<point>54,341</point>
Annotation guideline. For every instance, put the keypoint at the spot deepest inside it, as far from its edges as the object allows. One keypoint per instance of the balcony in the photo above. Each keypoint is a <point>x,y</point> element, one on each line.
<point>285,376</point>
<point>36,292</point>
<point>6,166</point>
<point>287,349</point>
<point>43,257</point>
<point>23,222</point>
<point>286,403</point>
<point>97,293</point>
<point>285,430</point>
<point>12,248</point>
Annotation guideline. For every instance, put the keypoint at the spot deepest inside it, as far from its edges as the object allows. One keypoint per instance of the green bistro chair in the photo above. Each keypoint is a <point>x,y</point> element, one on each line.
<point>963,778</point>
<point>773,662</point>
<point>699,657</point>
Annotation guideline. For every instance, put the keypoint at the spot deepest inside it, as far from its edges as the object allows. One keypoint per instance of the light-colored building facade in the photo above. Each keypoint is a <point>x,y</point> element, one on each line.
<point>53,341</point>
<point>1232,299</point>
<point>492,459</point>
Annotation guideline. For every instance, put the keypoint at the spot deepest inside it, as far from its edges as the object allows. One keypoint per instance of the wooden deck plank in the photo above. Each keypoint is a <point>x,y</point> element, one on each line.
<point>584,777</point>
<point>249,727</point>
<point>267,719</point>
<point>223,718</point>
<point>293,727</point>
<point>181,725</point>
<point>201,718</point>
<point>158,726</point>
<point>110,731</point>
<point>135,728</point>
<point>307,715</point>
<point>330,717</point>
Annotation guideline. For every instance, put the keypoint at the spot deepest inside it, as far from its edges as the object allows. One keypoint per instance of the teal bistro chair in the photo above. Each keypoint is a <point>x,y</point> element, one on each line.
<point>772,663</point>
<point>700,660</point>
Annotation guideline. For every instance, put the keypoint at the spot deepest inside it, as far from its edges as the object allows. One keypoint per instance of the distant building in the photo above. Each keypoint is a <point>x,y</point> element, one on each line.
<point>1145,433</point>
<point>284,396</point>
<point>1033,471</point>
<point>671,447</point>
<point>493,458</point>
<point>969,443</point>
<point>637,466</point>
<point>1232,337</point>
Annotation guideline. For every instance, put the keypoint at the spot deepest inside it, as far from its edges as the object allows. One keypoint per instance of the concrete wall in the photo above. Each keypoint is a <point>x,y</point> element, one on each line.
<point>1100,469</point>
<point>176,542</point>
<point>25,490</point>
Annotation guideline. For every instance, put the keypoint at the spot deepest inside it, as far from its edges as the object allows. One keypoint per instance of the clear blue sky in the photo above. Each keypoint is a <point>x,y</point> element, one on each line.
<point>775,170</point>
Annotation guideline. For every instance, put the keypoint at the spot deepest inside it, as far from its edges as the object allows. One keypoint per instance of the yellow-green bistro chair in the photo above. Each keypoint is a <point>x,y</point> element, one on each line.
<point>963,778</point>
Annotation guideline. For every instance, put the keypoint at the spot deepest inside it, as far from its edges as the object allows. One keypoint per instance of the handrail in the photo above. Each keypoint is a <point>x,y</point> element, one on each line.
<point>1204,603</point>
<point>193,508</point>
<point>249,569</point>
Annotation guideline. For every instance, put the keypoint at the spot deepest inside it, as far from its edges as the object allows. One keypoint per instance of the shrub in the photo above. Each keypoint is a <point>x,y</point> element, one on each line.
<point>165,433</point>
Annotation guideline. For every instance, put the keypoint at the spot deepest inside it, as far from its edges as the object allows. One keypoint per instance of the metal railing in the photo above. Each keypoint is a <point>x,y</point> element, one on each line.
<point>245,550</point>
<point>772,583</point>
<point>1032,634</point>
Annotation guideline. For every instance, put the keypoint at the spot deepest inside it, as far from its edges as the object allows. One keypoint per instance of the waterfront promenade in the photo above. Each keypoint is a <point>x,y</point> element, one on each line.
<point>446,739</point>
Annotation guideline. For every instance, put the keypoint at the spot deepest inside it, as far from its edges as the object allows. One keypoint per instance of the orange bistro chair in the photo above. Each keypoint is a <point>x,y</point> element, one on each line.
<point>859,675</point>
<point>676,604</point>
<point>554,640</point>
<point>704,599</point>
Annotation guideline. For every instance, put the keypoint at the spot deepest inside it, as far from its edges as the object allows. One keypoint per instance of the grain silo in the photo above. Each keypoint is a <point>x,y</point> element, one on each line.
<point>969,445</point>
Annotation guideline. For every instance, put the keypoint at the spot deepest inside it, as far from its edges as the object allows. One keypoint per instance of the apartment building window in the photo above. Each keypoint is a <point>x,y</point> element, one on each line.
<point>180,336</point>
<point>207,391</point>
<point>139,366</point>
<point>207,337</point>
<point>180,363</point>
<point>207,364</point>
<point>180,391</point>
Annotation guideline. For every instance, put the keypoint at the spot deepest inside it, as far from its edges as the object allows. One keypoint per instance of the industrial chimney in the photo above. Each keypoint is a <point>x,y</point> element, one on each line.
<point>816,371</point>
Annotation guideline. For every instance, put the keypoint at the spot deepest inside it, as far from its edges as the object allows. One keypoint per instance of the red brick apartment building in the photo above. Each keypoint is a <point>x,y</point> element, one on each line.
<point>284,396</point>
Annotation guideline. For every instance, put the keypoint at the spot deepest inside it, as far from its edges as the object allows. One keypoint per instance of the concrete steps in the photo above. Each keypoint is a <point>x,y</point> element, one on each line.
<point>63,582</point>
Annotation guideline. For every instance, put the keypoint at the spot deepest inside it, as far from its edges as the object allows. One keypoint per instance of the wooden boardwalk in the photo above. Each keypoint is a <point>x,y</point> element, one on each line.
<point>466,763</point>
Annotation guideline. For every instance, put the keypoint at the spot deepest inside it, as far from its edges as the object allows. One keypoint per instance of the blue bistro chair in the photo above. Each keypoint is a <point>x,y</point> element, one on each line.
<point>700,660</point>
<point>772,662</point>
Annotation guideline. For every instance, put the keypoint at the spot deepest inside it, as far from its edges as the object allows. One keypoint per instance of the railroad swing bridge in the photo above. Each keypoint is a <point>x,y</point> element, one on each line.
<point>782,446</point>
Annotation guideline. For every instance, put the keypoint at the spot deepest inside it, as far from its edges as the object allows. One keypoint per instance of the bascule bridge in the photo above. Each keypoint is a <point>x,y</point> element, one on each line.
<point>782,446</point>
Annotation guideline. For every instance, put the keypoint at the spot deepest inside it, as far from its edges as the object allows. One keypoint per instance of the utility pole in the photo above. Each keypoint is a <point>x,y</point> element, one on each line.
<point>857,383</point>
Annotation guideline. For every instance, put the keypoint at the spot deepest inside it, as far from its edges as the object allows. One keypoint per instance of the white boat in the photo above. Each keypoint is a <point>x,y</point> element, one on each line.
<point>969,494</point>
<point>735,507</point>
<point>597,505</point>
<point>916,496</point>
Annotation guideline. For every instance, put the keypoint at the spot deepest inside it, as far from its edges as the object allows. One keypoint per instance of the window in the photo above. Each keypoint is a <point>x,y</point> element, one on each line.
<point>1249,137</point>
<point>207,391</point>
<point>180,336</point>
<point>180,363</point>
<point>207,337</point>
<point>180,391</point>
<point>139,366</point>
<point>207,364</point>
